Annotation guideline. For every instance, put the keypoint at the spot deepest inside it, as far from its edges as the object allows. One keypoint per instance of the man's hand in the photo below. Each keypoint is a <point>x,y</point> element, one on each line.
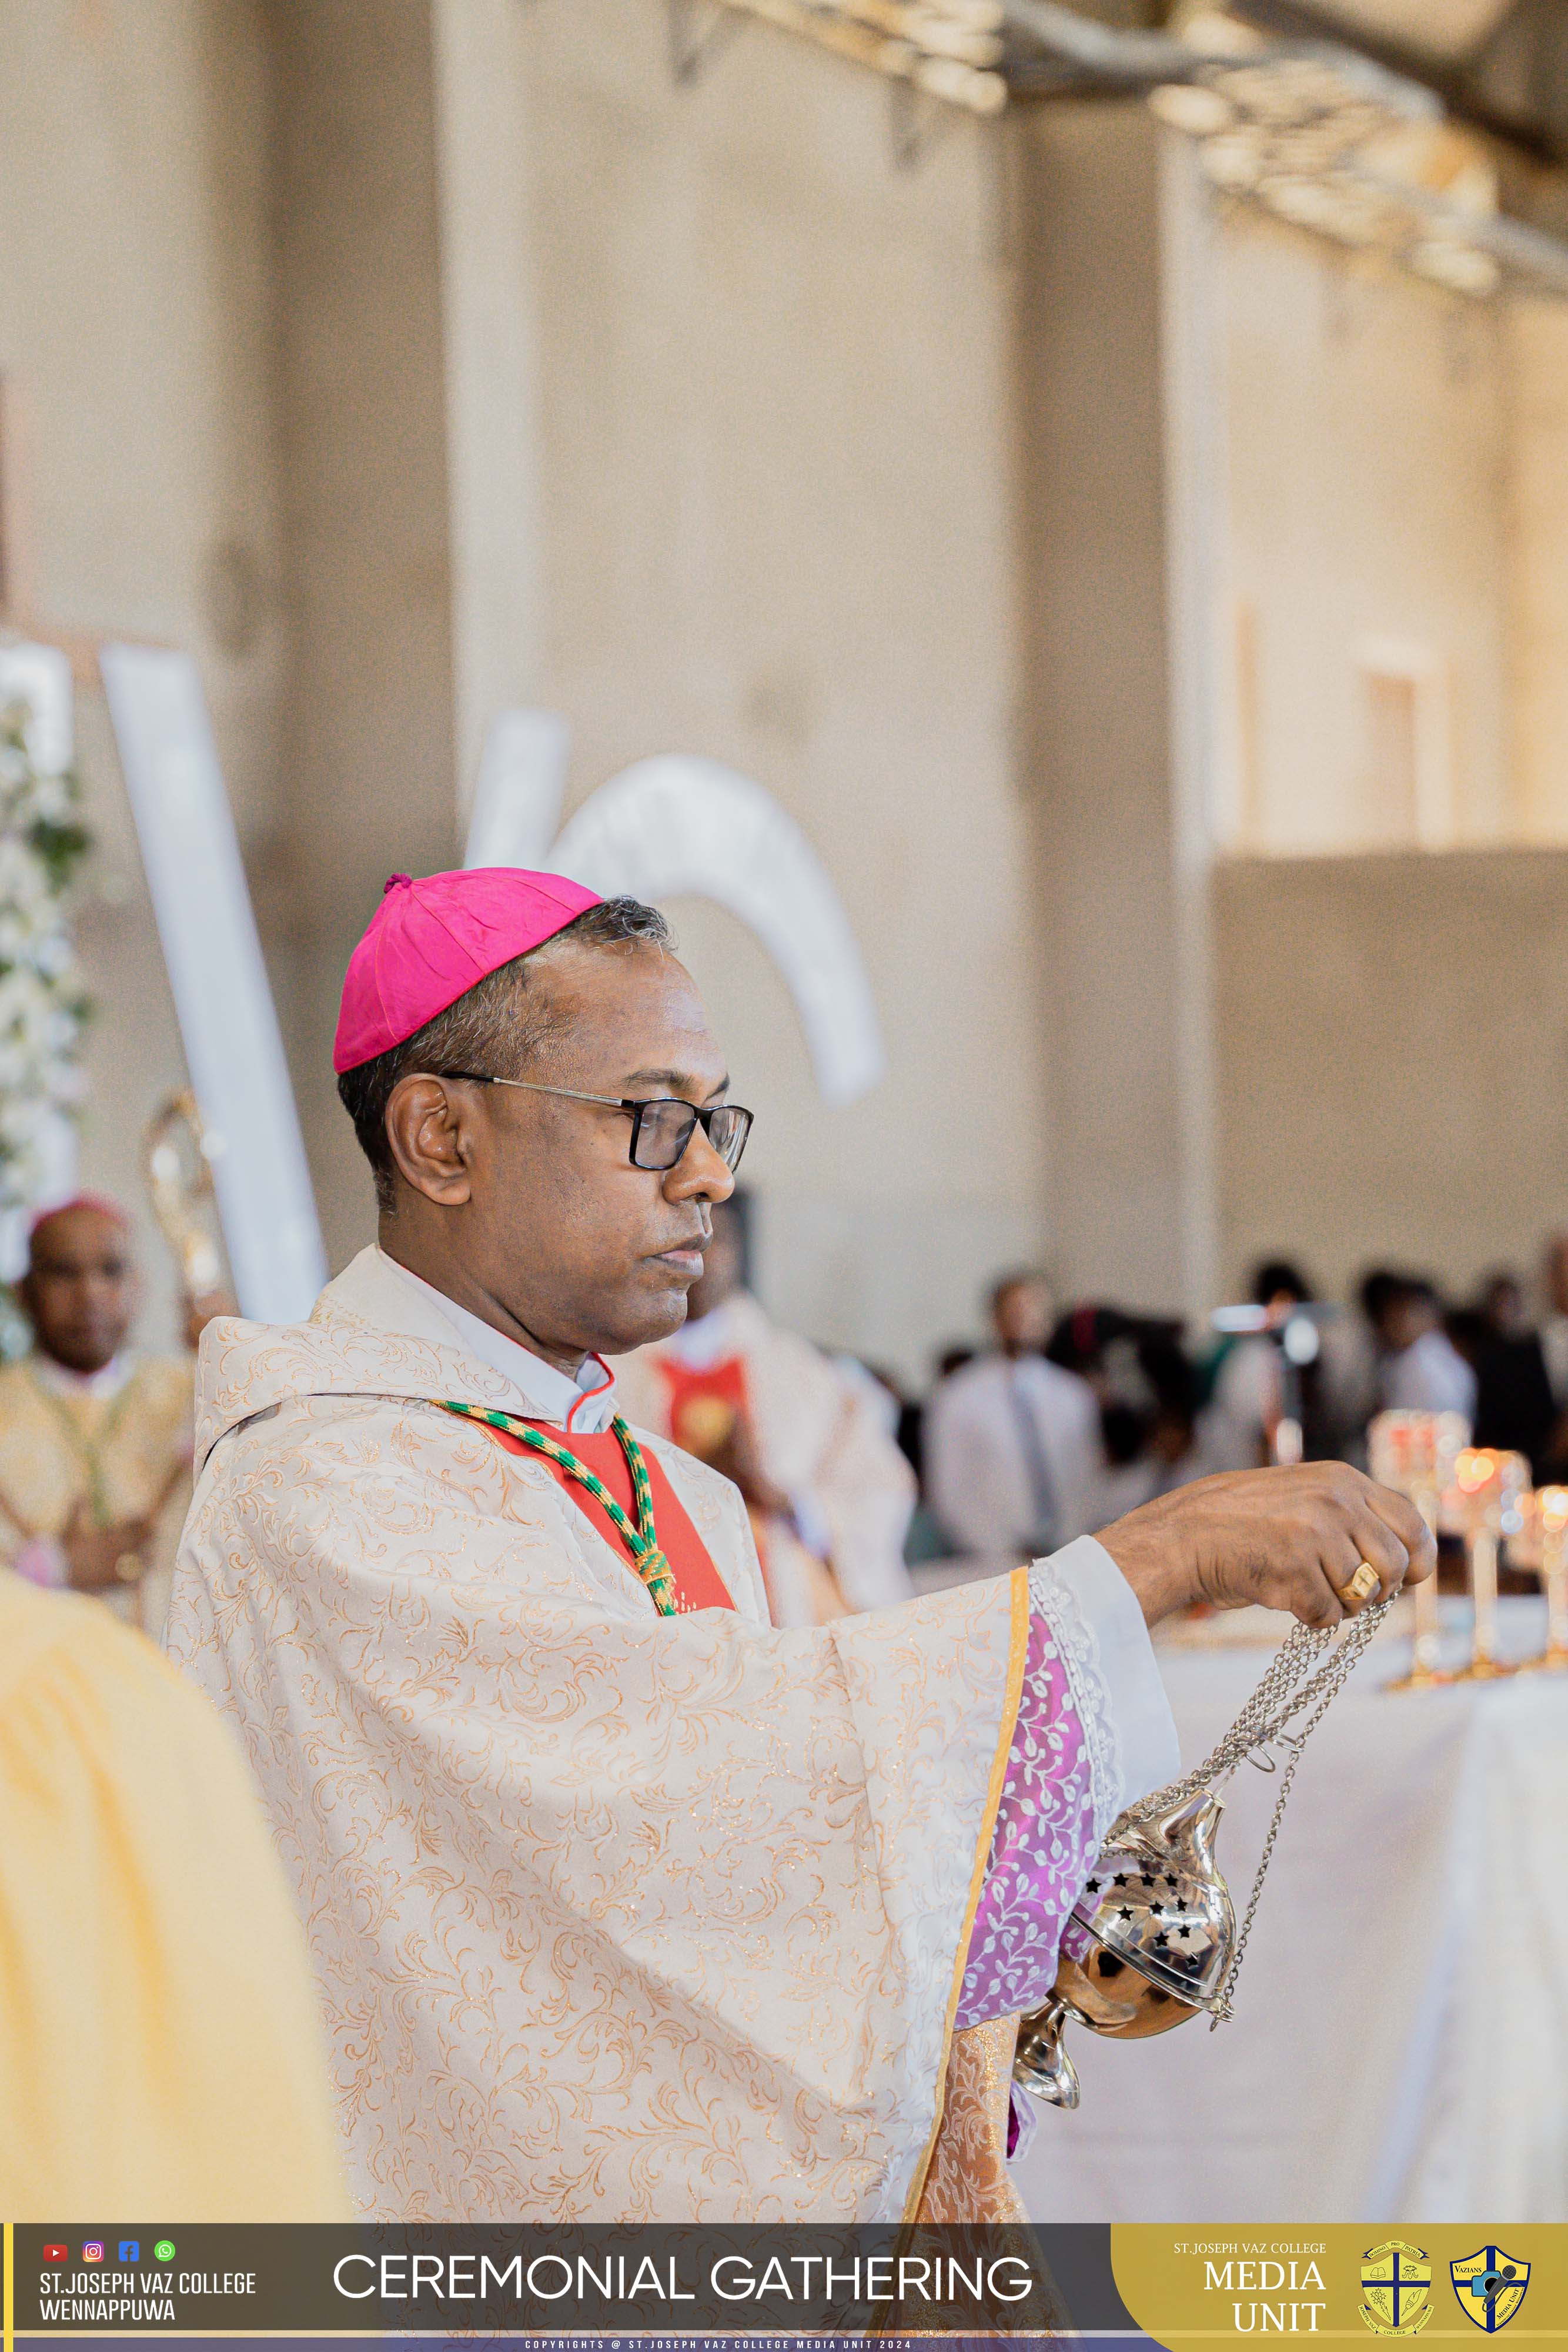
<point>1286,1538</point>
<point>93,1554</point>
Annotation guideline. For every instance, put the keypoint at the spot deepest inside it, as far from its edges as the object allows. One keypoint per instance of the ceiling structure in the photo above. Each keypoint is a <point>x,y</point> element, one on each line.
<point>1321,111</point>
<point>1502,65</point>
<point>1445,29</point>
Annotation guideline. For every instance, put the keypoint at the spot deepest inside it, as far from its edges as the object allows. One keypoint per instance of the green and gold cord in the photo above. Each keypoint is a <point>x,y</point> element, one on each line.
<point>641,1540</point>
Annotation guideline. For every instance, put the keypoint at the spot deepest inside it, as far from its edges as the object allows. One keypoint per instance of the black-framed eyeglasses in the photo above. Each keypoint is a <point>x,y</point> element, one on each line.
<point>661,1130</point>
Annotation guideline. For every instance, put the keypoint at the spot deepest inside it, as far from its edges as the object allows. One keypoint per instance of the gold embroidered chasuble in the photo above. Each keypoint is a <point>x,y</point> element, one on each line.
<point>614,1917</point>
<point>65,1449</point>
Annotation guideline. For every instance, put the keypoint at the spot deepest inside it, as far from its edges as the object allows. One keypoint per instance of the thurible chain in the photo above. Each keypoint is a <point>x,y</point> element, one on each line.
<point>1278,1699</point>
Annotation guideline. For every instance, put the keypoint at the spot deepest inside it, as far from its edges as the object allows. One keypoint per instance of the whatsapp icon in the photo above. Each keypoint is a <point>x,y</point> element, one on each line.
<point>163,2251</point>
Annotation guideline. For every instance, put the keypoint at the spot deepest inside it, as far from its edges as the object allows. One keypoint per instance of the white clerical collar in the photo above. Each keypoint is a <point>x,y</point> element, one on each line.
<point>107,1381</point>
<point>587,1403</point>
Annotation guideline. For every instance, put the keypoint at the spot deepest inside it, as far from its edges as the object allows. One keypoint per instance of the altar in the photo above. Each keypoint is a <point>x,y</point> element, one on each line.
<point>1399,2052</point>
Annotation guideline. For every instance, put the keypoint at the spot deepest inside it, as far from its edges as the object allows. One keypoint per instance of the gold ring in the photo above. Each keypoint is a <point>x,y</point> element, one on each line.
<point>1362,1585</point>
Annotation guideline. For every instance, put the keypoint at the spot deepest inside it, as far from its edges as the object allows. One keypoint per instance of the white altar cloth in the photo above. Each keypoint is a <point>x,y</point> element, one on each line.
<point>1400,2048</point>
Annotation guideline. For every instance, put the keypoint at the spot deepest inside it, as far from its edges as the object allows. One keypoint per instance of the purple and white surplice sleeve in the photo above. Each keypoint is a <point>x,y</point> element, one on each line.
<point>1094,1733</point>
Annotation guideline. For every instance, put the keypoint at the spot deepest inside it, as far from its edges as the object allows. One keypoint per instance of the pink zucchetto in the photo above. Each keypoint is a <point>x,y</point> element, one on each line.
<point>99,1203</point>
<point>432,940</point>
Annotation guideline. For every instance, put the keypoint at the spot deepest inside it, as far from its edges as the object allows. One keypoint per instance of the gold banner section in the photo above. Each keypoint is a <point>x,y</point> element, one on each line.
<point>1200,2284</point>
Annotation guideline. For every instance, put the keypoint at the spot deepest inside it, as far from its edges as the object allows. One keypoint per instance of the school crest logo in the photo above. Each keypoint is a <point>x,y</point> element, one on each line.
<point>1490,2286</point>
<point>1395,2289</point>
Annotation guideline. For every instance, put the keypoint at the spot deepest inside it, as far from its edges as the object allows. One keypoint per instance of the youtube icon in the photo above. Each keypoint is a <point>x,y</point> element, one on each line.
<point>56,2254</point>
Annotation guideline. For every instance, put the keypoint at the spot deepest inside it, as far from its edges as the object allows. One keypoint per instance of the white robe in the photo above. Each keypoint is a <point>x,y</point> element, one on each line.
<point>614,1917</point>
<point>819,1438</point>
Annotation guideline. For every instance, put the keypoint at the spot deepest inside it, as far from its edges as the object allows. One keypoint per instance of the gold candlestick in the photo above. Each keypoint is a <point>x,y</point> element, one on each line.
<point>1484,1665</point>
<point>1554,1576</point>
<point>1414,1452</point>
<point>1545,1549</point>
<point>1427,1643</point>
<point>1493,1486</point>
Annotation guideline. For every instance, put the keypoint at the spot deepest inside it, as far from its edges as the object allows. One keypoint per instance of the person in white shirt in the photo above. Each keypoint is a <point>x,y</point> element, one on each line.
<point>1014,1464</point>
<point>1419,1368</point>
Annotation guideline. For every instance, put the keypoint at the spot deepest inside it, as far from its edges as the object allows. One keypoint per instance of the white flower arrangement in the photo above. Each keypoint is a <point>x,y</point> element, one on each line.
<point>43,1003</point>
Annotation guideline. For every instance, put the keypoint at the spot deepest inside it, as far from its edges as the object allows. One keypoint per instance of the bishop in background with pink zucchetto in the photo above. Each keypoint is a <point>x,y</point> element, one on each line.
<point>625,1905</point>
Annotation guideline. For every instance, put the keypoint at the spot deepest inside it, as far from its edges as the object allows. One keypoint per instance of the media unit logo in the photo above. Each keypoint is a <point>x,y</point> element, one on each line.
<point>55,2253</point>
<point>1490,2286</point>
<point>1395,2289</point>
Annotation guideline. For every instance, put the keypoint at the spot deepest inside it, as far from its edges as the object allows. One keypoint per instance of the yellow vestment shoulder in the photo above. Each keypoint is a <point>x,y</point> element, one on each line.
<point>115,1456</point>
<point>158,2046</point>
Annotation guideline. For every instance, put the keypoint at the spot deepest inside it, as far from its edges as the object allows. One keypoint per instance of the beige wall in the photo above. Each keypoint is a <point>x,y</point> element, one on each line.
<point>1398,465</point>
<point>368,754</point>
<point>220,308</point>
<point>1538,545</point>
<point>403,365</point>
<point>776,408</point>
<point>1368,417</point>
<point>1393,1034</point>
<point>484,91</point>
<point>1390,1027</point>
<point>494,365</point>
<point>134,338</point>
<point>1094,490</point>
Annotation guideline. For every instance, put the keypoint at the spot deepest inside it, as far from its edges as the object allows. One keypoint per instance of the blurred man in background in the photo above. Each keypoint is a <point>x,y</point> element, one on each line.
<point>1247,1400</point>
<point>1014,1464</point>
<point>1170,1450</point>
<point>1419,1369</point>
<point>1148,1391</point>
<point>1515,1410</point>
<point>1303,1380</point>
<point>95,1442</point>
<point>806,1442</point>
<point>1555,1336</point>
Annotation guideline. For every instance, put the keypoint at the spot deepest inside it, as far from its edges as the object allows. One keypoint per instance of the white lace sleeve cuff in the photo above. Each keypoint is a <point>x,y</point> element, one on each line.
<point>1099,1627</point>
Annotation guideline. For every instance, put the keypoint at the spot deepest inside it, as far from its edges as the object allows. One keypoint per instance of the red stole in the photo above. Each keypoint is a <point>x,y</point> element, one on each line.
<point>698,1583</point>
<point>708,1405</point>
<point>704,1404</point>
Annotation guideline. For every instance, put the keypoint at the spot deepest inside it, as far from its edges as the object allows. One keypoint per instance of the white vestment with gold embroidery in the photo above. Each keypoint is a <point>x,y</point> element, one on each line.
<point>614,1917</point>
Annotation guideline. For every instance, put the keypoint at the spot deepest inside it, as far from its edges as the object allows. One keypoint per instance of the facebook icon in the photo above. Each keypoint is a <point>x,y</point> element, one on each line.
<point>131,2250</point>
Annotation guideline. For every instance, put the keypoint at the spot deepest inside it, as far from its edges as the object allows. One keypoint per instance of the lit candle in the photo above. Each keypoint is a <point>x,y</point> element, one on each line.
<point>1427,1646</point>
<point>1491,1485</point>
<point>1551,1523</point>
<point>1415,1453</point>
<point>1483,1590</point>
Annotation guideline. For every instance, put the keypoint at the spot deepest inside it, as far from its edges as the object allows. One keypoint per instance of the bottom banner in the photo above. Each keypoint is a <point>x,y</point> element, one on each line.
<point>115,2282</point>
